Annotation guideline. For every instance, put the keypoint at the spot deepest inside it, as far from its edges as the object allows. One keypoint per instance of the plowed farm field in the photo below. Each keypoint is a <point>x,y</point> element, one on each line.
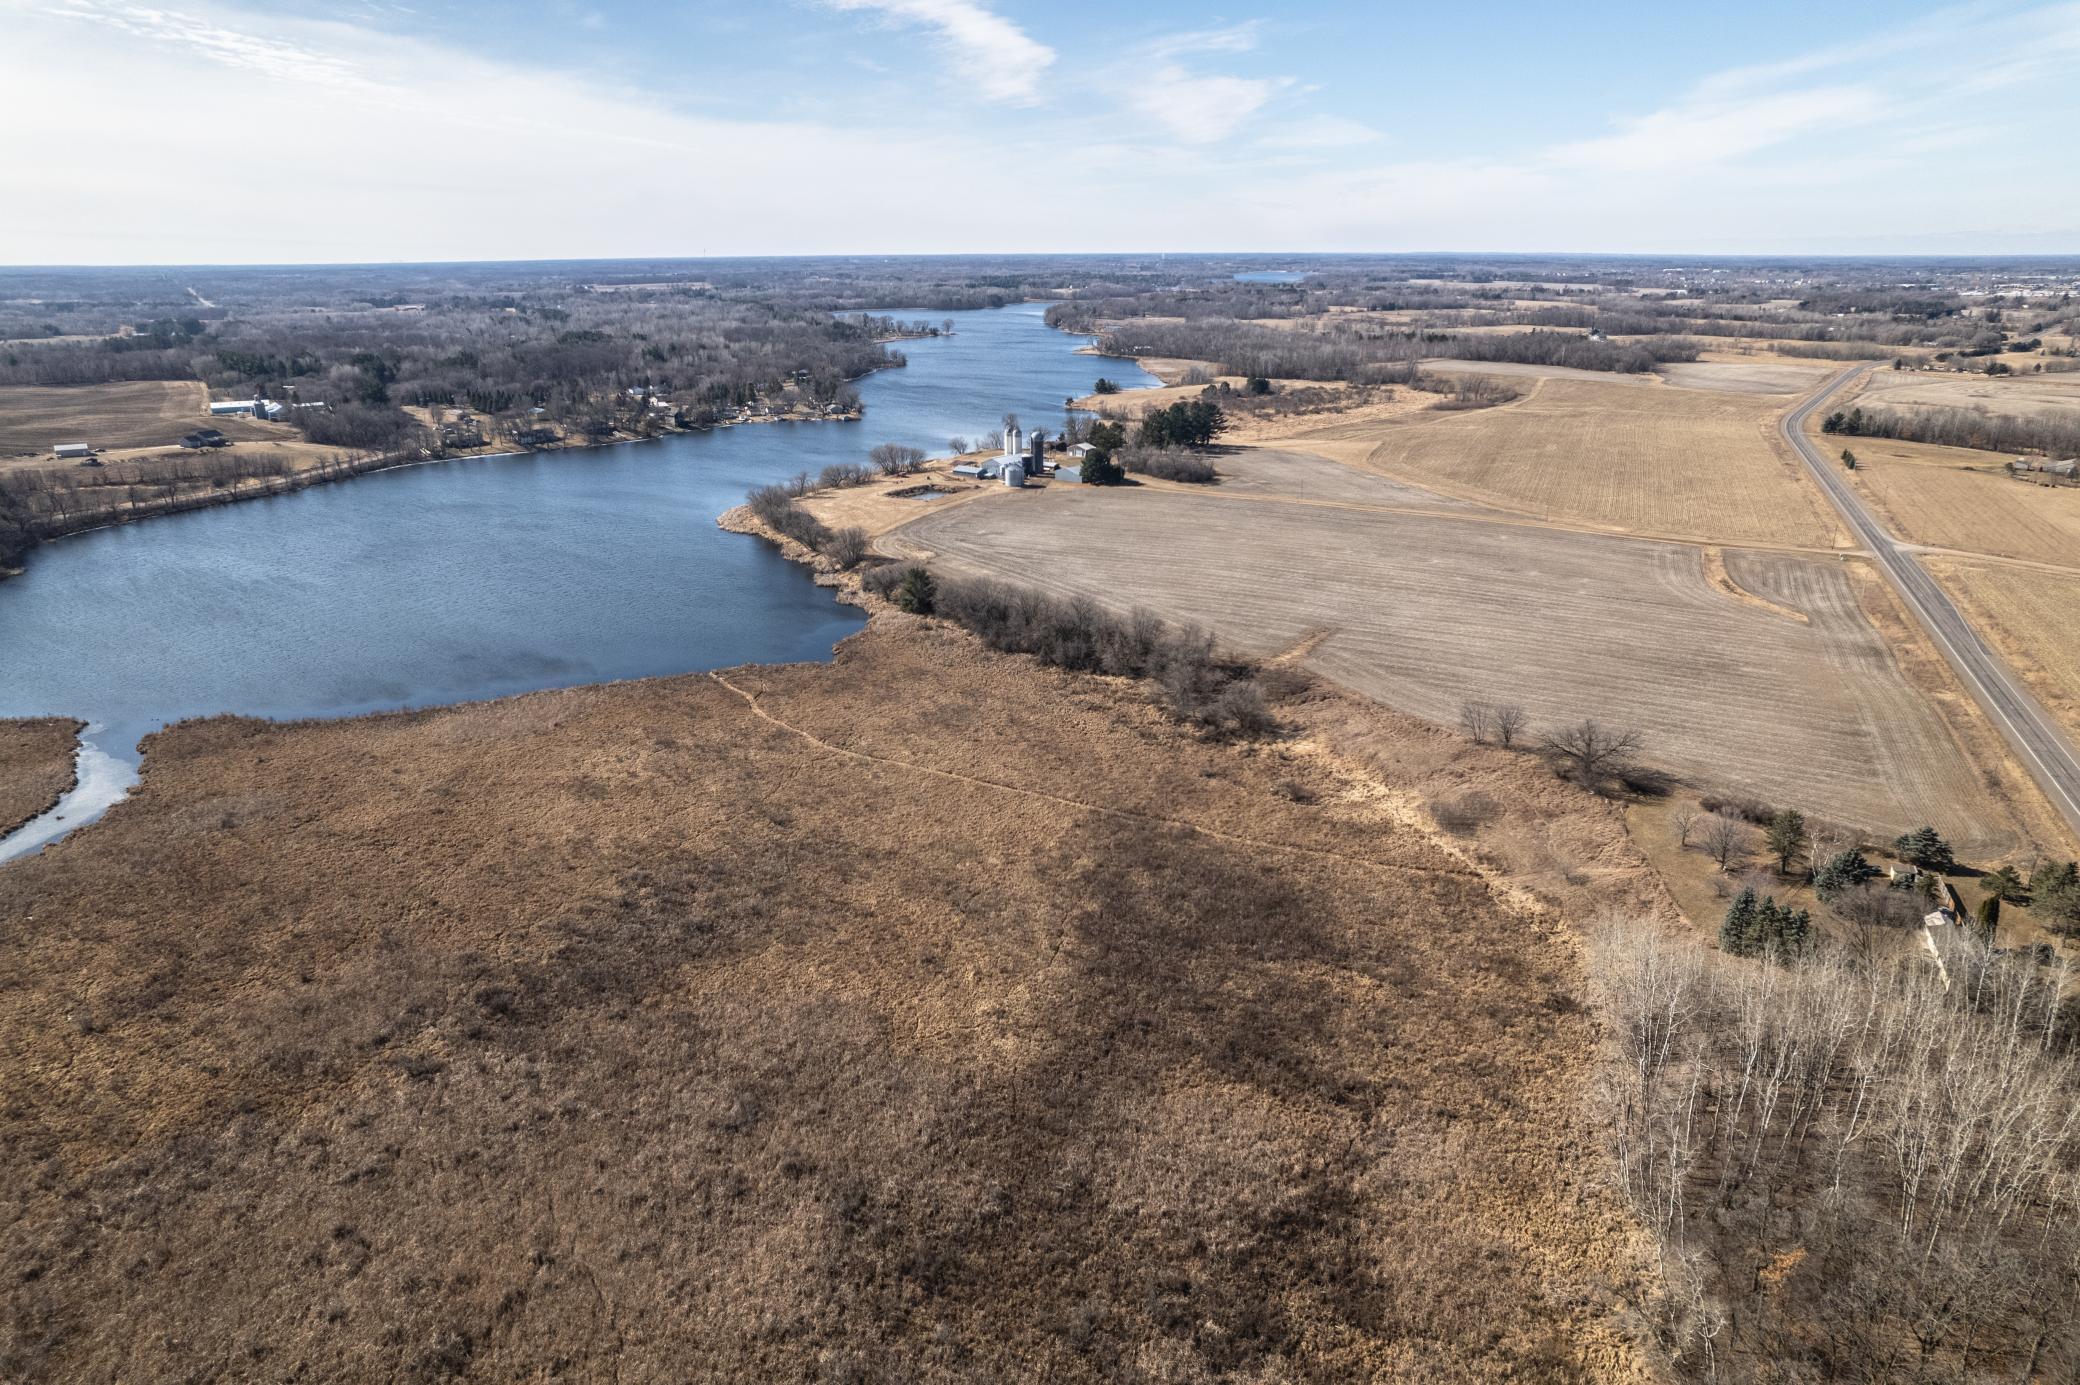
<point>2032,617</point>
<point>1950,497</point>
<point>1425,611</point>
<point>1630,458</point>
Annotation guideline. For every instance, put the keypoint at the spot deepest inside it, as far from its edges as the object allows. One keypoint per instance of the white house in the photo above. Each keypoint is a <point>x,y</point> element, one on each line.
<point>73,450</point>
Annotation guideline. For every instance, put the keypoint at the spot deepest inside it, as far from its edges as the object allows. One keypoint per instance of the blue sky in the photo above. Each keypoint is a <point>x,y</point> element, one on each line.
<point>193,130</point>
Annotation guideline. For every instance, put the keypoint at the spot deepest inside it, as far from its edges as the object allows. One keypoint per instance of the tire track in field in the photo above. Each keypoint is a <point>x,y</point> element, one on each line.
<point>1132,815</point>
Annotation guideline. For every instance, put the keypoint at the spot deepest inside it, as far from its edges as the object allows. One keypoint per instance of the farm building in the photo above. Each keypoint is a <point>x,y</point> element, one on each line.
<point>76,451</point>
<point>256,408</point>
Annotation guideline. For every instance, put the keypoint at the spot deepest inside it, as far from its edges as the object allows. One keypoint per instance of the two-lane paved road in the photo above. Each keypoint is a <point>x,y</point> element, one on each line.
<point>2039,744</point>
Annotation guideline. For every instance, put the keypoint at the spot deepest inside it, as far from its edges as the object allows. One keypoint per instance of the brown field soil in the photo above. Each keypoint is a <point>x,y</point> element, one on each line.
<point>1747,377</point>
<point>131,414</point>
<point>1339,404</point>
<point>2033,619</point>
<point>933,1016</point>
<point>2022,395</point>
<point>1954,497</point>
<point>36,766</point>
<point>1631,458</point>
<point>1422,611</point>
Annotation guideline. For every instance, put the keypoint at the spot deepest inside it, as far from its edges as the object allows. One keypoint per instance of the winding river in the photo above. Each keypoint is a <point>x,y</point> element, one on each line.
<point>479,577</point>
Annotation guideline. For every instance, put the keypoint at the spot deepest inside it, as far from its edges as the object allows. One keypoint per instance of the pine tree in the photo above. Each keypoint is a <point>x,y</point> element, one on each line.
<point>1990,917</point>
<point>1926,849</point>
<point>2006,885</point>
<point>1787,833</point>
<point>1844,871</point>
<point>1794,931</point>
<point>1737,935</point>
<point>919,593</point>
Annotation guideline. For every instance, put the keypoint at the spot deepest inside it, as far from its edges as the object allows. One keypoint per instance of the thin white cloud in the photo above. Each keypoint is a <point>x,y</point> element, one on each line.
<point>1199,108</point>
<point>1236,38</point>
<point>1318,132</point>
<point>1701,132</point>
<point>997,56</point>
<point>218,43</point>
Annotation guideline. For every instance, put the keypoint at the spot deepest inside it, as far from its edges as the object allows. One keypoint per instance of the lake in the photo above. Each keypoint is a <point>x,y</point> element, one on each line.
<point>484,576</point>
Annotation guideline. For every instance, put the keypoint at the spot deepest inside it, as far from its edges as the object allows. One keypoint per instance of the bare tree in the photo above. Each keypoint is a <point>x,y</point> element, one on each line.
<point>1477,720</point>
<point>1683,819</point>
<point>894,459</point>
<point>1725,838</point>
<point>1594,750</point>
<point>957,446</point>
<point>1509,725</point>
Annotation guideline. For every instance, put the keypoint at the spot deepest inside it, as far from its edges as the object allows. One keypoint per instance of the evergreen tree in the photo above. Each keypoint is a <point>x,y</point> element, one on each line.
<point>1925,849</point>
<point>2006,885</point>
<point>1794,931</point>
<point>1100,470</point>
<point>1843,871</point>
<point>2055,890</point>
<point>1786,834</point>
<point>1990,917</point>
<point>918,594</point>
<point>1738,934</point>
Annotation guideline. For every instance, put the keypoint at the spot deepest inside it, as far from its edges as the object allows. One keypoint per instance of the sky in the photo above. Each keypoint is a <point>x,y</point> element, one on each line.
<point>197,132</point>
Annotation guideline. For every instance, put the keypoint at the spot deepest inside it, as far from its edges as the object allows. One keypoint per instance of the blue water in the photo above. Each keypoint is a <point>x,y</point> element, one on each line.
<point>482,577</point>
<point>1271,276</point>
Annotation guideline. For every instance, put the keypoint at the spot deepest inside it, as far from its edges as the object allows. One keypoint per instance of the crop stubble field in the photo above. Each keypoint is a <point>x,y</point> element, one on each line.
<point>1422,612</point>
<point>1953,497</point>
<point>142,413</point>
<point>2032,617</point>
<point>993,1028</point>
<point>1634,458</point>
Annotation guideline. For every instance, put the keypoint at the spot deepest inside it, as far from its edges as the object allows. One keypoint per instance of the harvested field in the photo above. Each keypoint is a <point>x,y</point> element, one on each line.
<point>2032,617</point>
<point>1633,458</point>
<point>1747,377</point>
<point>1952,497</point>
<point>143,413</point>
<point>1427,611</point>
<point>646,1031</point>
<point>35,766</point>
<point>1293,475</point>
<point>1521,370</point>
<point>2020,395</point>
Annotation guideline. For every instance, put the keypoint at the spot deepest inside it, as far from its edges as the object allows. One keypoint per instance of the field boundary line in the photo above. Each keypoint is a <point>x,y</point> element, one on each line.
<point>1132,815</point>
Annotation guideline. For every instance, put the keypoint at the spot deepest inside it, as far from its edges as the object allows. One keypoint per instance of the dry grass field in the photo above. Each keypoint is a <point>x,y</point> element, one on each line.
<point>1953,497</point>
<point>2023,395</point>
<point>2033,617</point>
<point>933,1017</point>
<point>1425,611</point>
<point>144,413</point>
<point>1632,458</point>
<point>35,766</point>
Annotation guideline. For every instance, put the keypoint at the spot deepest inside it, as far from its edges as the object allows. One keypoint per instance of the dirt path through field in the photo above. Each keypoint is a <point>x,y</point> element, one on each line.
<point>1084,805</point>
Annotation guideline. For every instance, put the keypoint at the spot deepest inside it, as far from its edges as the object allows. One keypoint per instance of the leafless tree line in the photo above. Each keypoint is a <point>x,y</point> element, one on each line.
<point>1855,1168</point>
<point>2056,434</point>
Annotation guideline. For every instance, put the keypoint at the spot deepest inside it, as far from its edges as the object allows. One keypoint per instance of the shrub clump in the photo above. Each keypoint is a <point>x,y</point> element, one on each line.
<point>908,586</point>
<point>1168,464</point>
<point>776,509</point>
<point>1192,683</point>
<point>844,475</point>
